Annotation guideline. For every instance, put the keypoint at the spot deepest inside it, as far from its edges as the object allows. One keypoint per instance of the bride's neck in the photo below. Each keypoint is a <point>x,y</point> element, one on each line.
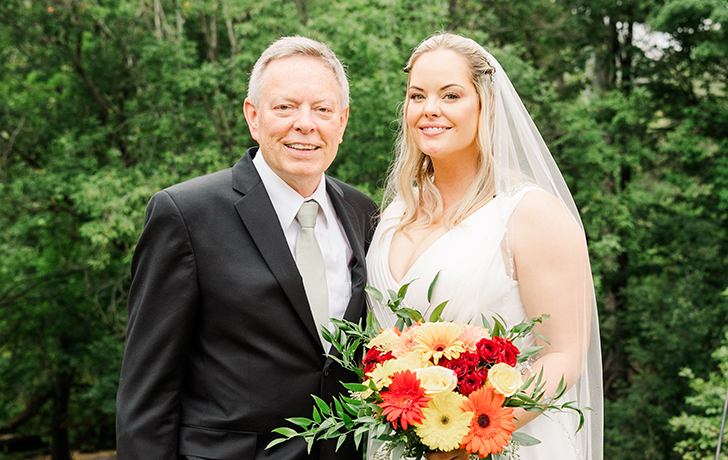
<point>453,184</point>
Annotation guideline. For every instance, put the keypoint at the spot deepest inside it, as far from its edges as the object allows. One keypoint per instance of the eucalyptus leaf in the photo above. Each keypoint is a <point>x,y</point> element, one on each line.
<point>525,439</point>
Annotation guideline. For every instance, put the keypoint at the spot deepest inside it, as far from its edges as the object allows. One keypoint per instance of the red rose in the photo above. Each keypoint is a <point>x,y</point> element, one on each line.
<point>470,359</point>
<point>507,352</point>
<point>488,350</point>
<point>469,384</point>
<point>509,357</point>
<point>459,366</point>
<point>373,357</point>
<point>481,374</point>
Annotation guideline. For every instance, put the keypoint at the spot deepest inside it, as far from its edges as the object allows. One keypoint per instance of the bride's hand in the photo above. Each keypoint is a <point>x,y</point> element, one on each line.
<point>452,455</point>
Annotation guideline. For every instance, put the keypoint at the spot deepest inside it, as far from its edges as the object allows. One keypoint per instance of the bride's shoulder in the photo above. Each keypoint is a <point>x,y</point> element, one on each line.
<point>534,199</point>
<point>543,213</point>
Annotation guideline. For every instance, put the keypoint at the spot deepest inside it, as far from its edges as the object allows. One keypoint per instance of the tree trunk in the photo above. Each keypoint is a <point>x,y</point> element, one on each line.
<point>158,19</point>
<point>302,11</point>
<point>230,30</point>
<point>59,429</point>
<point>625,59</point>
<point>210,33</point>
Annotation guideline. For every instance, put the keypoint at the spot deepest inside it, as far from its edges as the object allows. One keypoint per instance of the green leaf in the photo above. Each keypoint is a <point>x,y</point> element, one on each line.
<point>435,316</point>
<point>392,295</point>
<point>357,387</point>
<point>300,421</point>
<point>432,287</point>
<point>398,450</point>
<point>486,323</point>
<point>323,407</point>
<point>285,431</point>
<point>374,294</point>
<point>338,407</point>
<point>275,442</point>
<point>413,314</point>
<point>340,442</point>
<point>524,439</point>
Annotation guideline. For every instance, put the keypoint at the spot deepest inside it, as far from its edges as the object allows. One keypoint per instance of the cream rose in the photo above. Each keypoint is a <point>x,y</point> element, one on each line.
<point>437,380</point>
<point>505,379</point>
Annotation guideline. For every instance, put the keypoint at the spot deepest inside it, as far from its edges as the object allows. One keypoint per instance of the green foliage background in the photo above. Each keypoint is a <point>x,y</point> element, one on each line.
<point>104,102</point>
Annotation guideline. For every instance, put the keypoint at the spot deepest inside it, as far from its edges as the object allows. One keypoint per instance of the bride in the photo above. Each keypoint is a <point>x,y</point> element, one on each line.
<point>475,195</point>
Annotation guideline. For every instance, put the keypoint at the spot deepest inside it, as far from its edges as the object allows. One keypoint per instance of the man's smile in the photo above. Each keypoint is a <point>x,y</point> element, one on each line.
<point>302,146</point>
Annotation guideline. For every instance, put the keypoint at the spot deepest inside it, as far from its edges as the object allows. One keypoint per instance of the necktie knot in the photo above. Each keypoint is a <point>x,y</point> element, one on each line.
<point>307,214</point>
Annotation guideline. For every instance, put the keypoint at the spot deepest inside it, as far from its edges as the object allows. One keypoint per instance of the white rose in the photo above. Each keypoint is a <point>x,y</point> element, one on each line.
<point>505,379</point>
<point>437,380</point>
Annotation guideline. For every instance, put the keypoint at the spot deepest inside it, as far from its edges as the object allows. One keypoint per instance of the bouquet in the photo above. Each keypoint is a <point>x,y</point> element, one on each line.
<point>430,386</point>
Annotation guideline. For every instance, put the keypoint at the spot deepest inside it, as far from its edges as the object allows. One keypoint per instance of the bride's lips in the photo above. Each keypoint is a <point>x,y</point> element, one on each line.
<point>433,129</point>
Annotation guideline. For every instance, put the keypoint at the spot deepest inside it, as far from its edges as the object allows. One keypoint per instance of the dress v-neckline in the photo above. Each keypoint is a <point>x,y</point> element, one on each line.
<point>434,243</point>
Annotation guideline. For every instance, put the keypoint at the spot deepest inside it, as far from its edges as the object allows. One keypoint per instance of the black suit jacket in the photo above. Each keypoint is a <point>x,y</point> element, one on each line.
<point>221,346</point>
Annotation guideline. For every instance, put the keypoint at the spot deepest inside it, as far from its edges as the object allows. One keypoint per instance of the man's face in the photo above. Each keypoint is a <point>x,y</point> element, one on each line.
<point>298,122</point>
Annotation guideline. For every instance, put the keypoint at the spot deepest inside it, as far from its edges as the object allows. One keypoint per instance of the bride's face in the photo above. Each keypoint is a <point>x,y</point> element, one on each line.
<point>442,107</point>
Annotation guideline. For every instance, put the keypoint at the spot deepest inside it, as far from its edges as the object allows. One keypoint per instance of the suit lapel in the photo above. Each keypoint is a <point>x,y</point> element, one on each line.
<point>261,221</point>
<point>349,221</point>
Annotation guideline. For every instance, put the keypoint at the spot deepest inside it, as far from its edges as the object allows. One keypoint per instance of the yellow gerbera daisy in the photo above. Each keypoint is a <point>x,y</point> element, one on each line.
<point>382,374</point>
<point>412,361</point>
<point>445,424</point>
<point>385,340</point>
<point>437,340</point>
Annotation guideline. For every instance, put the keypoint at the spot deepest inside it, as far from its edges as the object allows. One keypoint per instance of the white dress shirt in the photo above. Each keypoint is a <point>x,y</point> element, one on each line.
<point>329,233</point>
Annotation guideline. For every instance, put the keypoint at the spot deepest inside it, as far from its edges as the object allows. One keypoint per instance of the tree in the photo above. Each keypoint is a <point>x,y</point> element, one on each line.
<point>702,424</point>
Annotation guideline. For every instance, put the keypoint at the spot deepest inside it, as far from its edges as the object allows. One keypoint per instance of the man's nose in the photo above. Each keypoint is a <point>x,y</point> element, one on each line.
<point>304,122</point>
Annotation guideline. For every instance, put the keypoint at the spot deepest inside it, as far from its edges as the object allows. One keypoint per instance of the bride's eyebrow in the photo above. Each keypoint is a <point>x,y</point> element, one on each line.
<point>448,86</point>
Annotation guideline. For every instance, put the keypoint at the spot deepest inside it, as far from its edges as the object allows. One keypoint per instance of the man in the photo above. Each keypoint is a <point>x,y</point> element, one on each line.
<point>224,311</point>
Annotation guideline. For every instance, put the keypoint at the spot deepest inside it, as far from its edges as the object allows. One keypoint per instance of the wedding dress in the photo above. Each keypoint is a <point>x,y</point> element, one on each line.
<point>475,278</point>
<point>478,276</point>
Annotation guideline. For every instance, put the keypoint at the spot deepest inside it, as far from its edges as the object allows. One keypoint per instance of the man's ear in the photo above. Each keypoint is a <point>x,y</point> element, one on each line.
<point>251,116</point>
<point>343,120</point>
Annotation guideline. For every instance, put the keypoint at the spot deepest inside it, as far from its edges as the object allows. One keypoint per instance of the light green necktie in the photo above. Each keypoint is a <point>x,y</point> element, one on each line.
<point>310,262</point>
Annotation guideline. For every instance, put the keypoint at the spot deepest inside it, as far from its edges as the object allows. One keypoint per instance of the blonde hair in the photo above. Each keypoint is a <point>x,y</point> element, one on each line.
<point>411,176</point>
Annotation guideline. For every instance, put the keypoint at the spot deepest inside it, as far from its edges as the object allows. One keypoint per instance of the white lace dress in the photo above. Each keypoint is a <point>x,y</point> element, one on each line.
<point>475,278</point>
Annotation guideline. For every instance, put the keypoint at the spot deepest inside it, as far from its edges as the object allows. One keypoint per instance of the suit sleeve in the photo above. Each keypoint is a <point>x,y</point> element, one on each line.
<point>162,306</point>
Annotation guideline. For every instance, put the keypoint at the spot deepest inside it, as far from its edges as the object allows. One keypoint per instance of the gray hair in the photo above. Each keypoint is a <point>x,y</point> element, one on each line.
<point>298,46</point>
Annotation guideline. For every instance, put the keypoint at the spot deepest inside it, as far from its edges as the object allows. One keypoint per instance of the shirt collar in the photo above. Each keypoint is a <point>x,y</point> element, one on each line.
<point>286,201</point>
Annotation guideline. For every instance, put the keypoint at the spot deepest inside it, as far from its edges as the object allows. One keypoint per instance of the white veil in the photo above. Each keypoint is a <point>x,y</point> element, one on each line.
<point>521,155</point>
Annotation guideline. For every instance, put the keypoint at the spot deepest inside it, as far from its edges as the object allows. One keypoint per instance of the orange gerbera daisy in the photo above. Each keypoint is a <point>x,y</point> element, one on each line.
<point>492,424</point>
<point>404,399</point>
